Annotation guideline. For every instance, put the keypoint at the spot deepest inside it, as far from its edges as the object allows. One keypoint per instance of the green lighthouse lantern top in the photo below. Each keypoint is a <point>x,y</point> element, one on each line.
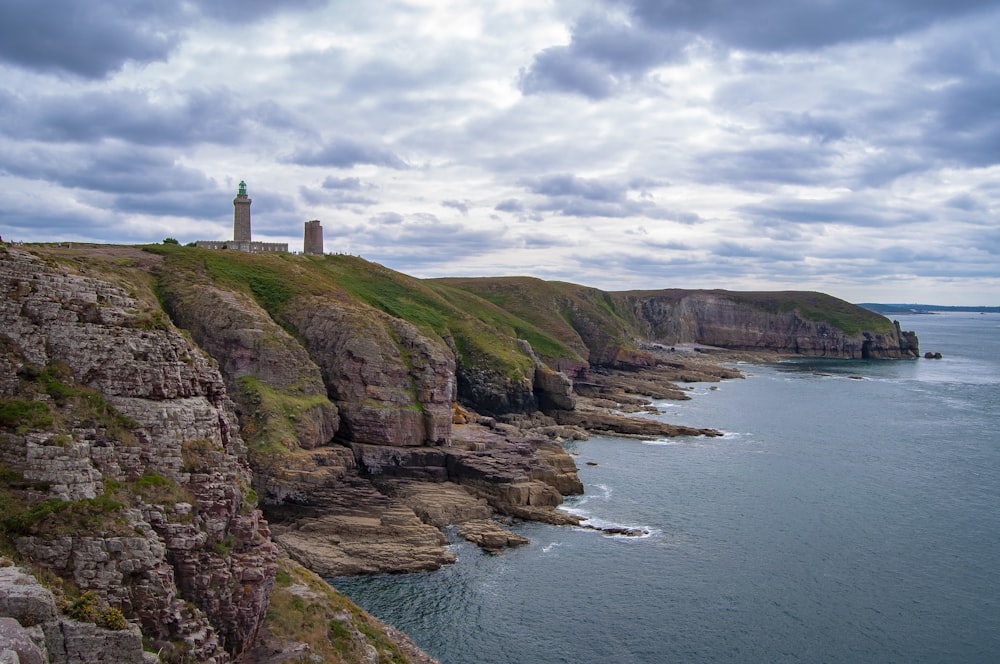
<point>243,189</point>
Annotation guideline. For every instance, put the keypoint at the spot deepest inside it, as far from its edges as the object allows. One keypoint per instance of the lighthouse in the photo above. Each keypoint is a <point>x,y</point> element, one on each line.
<point>242,241</point>
<point>241,215</point>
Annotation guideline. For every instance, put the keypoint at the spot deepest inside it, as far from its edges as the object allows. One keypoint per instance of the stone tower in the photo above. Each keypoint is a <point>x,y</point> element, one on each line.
<point>241,215</point>
<point>313,243</point>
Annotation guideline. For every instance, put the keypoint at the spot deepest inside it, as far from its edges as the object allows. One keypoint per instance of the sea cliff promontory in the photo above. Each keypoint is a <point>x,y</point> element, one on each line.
<point>178,425</point>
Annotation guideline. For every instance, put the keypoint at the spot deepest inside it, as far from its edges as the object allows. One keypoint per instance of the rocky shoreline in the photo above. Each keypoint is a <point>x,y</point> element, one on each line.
<point>492,470</point>
<point>193,439</point>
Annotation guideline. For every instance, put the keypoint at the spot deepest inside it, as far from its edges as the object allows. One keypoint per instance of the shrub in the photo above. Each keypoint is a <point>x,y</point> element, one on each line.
<point>88,608</point>
<point>84,607</point>
<point>111,618</point>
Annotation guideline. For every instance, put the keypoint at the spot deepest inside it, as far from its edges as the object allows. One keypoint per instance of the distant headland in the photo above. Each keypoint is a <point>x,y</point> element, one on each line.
<point>895,309</point>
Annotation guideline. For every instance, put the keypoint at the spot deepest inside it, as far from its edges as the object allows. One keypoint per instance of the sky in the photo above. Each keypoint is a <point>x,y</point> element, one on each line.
<point>846,146</point>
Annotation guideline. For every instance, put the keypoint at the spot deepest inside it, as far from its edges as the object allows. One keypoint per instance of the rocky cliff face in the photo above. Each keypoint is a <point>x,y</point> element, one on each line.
<point>135,436</point>
<point>251,350</point>
<point>135,440</point>
<point>33,631</point>
<point>393,385</point>
<point>337,503</point>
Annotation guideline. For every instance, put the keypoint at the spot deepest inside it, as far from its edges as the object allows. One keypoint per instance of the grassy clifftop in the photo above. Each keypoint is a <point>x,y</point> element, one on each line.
<point>591,322</point>
<point>481,318</point>
<point>481,331</point>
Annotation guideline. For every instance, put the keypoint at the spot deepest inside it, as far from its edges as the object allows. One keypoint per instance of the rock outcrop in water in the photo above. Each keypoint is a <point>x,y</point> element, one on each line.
<point>154,403</point>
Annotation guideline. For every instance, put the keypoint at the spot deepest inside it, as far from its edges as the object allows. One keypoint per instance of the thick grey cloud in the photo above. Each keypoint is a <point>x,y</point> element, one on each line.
<point>510,205</point>
<point>848,210</point>
<point>766,25</point>
<point>846,146</point>
<point>610,48</point>
<point>211,116</point>
<point>588,197</point>
<point>349,192</point>
<point>461,206</point>
<point>567,184</point>
<point>602,57</point>
<point>115,168</point>
<point>92,40</point>
<point>346,152</point>
<point>87,39</point>
<point>344,184</point>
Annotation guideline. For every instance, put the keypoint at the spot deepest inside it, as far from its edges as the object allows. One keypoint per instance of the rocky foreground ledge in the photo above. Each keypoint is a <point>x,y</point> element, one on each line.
<point>382,508</point>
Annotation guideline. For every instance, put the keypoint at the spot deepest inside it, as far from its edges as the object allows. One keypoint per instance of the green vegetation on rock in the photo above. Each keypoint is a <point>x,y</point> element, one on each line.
<point>306,609</point>
<point>62,517</point>
<point>22,416</point>
<point>70,403</point>
<point>819,307</point>
<point>271,426</point>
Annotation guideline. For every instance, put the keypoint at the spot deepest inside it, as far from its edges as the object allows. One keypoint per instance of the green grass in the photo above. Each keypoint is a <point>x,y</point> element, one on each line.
<point>484,334</point>
<point>560,320</point>
<point>60,517</point>
<point>819,307</point>
<point>306,609</point>
<point>270,280</point>
<point>272,426</point>
<point>74,405</point>
<point>22,416</point>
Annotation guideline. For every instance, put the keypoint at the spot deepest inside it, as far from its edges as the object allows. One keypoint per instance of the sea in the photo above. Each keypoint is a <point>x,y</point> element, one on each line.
<point>850,513</point>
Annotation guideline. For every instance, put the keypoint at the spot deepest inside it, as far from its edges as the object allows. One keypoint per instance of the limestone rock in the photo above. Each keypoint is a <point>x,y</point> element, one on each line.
<point>392,385</point>
<point>174,421</point>
<point>247,343</point>
<point>17,642</point>
<point>622,425</point>
<point>439,504</point>
<point>23,598</point>
<point>374,537</point>
<point>86,643</point>
<point>718,318</point>
<point>31,628</point>
<point>489,535</point>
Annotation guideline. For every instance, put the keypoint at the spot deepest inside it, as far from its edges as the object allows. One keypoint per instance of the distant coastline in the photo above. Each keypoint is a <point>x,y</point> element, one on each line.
<point>891,309</point>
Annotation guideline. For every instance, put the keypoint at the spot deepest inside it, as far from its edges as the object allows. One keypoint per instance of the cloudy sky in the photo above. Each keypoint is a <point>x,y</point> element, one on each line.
<point>848,146</point>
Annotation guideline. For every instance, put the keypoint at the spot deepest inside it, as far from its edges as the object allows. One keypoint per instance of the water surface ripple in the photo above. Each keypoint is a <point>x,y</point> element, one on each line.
<point>849,515</point>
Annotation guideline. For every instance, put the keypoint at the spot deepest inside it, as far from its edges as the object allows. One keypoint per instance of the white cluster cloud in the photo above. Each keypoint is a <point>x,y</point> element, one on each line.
<point>850,147</point>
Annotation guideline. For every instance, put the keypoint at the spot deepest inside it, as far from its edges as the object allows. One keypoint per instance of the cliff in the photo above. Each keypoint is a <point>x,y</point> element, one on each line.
<point>789,322</point>
<point>157,403</point>
<point>126,485</point>
<point>613,329</point>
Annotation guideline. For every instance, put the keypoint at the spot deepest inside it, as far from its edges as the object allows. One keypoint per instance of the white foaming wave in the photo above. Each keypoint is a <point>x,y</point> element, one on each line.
<point>668,442</point>
<point>548,547</point>
<point>615,530</point>
<point>603,493</point>
<point>662,442</point>
<point>607,528</point>
<point>574,504</point>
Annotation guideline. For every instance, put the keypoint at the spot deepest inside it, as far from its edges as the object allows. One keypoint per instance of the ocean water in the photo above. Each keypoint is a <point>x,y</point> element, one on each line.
<point>851,513</point>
